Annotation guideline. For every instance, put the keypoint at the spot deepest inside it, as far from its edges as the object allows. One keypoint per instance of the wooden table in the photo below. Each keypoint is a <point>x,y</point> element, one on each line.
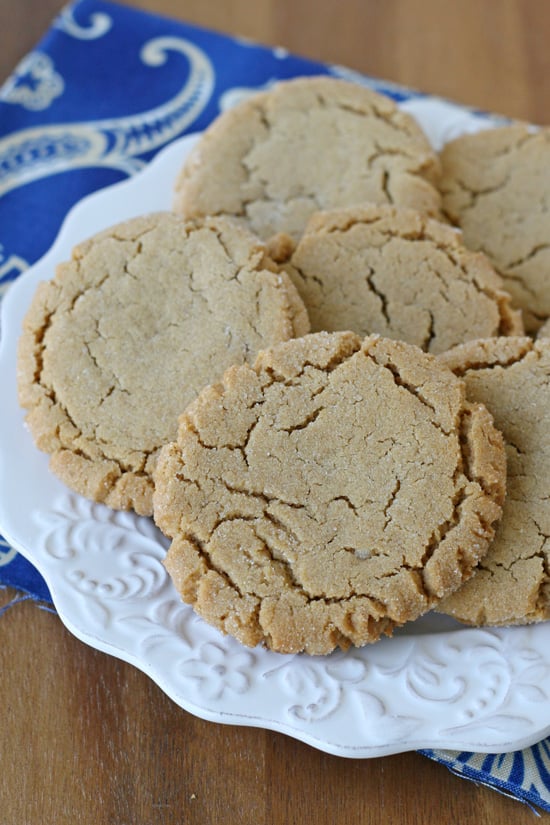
<point>88,739</point>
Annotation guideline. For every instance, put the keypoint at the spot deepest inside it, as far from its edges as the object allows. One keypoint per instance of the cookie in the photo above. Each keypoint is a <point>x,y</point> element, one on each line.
<point>378,269</point>
<point>330,492</point>
<point>129,331</point>
<point>308,144</point>
<point>495,186</point>
<point>512,585</point>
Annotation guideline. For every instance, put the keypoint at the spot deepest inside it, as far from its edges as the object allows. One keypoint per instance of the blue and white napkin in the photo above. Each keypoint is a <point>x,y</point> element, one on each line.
<point>66,130</point>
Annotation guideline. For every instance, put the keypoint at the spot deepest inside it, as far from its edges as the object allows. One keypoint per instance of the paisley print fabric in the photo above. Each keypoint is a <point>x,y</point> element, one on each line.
<point>66,131</point>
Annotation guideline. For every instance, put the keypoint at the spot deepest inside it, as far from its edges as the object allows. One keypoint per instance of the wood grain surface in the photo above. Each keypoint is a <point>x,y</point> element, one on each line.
<point>87,739</point>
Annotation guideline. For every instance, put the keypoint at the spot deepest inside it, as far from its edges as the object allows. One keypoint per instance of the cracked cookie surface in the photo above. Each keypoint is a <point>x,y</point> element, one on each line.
<point>378,269</point>
<point>129,331</point>
<point>496,187</point>
<point>305,145</point>
<point>337,488</point>
<point>512,584</point>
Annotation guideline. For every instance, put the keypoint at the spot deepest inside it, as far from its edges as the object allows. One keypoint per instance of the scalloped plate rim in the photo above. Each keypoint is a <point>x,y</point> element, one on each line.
<point>12,309</point>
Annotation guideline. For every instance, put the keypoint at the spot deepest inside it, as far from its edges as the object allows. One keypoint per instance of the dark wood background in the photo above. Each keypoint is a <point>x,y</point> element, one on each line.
<point>85,738</point>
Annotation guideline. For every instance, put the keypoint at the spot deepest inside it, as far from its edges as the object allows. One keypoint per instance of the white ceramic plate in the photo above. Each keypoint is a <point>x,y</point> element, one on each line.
<point>434,685</point>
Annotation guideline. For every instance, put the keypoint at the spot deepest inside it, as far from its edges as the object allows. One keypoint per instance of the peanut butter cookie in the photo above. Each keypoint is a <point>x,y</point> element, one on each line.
<point>129,331</point>
<point>496,187</point>
<point>378,269</point>
<point>308,144</point>
<point>512,584</point>
<point>330,492</point>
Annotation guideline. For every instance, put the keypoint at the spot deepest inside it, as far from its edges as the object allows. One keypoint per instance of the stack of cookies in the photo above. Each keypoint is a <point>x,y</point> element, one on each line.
<point>320,388</point>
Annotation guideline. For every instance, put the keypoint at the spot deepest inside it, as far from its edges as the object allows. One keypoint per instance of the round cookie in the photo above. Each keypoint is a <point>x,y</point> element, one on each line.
<point>330,492</point>
<point>308,144</point>
<point>512,584</point>
<point>378,269</point>
<point>495,186</point>
<point>129,331</point>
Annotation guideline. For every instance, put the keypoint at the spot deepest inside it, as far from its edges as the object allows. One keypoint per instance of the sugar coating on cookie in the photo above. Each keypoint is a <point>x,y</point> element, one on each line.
<point>512,584</point>
<point>495,186</point>
<point>333,490</point>
<point>378,269</point>
<point>129,331</point>
<point>308,144</point>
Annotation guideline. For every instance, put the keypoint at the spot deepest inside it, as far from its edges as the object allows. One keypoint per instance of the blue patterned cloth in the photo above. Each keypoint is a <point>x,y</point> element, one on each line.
<point>106,88</point>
